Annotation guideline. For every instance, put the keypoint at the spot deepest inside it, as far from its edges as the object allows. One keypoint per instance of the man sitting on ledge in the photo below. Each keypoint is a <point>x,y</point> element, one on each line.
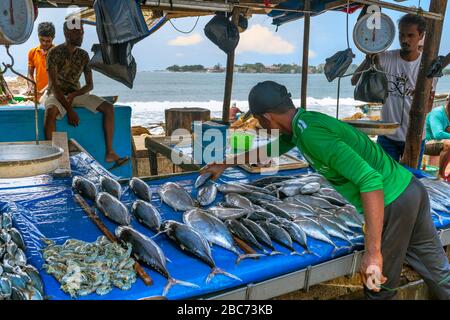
<point>65,64</point>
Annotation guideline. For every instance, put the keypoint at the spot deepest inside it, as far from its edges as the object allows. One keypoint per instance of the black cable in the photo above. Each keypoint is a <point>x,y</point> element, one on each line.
<point>186,32</point>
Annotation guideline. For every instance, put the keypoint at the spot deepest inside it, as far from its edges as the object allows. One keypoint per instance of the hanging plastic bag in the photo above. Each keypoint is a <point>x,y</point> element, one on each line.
<point>337,64</point>
<point>372,86</point>
<point>124,73</point>
<point>223,33</point>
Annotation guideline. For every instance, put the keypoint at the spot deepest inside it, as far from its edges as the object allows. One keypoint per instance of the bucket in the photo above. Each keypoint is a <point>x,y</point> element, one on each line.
<point>209,142</point>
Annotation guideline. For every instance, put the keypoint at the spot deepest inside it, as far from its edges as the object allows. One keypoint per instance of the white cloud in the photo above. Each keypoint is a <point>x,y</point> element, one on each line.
<point>186,40</point>
<point>260,39</point>
<point>312,54</point>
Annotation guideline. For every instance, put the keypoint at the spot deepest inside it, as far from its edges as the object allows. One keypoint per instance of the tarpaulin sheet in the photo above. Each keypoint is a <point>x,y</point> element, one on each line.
<point>44,207</point>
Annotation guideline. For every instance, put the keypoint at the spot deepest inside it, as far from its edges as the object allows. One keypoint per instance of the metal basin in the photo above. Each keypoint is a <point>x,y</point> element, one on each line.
<point>25,160</point>
<point>374,127</point>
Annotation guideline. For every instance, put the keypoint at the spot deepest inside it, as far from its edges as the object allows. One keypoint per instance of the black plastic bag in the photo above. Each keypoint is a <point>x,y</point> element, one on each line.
<point>124,73</point>
<point>223,33</point>
<point>372,86</point>
<point>337,64</point>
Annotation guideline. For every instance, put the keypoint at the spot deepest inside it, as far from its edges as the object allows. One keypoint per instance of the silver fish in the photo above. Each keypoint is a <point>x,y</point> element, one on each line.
<point>291,189</point>
<point>279,235</point>
<point>16,237</point>
<point>6,221</point>
<point>228,213</point>
<point>257,196</point>
<point>332,193</point>
<point>350,219</point>
<point>176,197</point>
<point>334,219</point>
<point>297,234</point>
<point>36,280</point>
<point>331,199</point>
<point>275,209</point>
<point>147,251</point>
<point>314,201</point>
<point>332,229</point>
<point>84,187</point>
<point>262,182</point>
<point>113,208</point>
<point>188,239</point>
<point>240,231</point>
<point>5,288</point>
<point>202,178</point>
<point>262,215</point>
<point>233,188</point>
<point>314,230</point>
<point>141,189</point>
<point>207,194</point>
<point>111,186</point>
<point>214,230</point>
<point>260,234</point>
<point>239,201</point>
<point>146,214</point>
<point>310,188</point>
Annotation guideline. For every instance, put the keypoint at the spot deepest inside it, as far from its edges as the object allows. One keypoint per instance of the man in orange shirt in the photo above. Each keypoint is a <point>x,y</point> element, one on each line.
<point>37,58</point>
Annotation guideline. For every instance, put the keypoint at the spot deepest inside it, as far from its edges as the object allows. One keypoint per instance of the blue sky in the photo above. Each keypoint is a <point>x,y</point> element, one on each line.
<point>260,43</point>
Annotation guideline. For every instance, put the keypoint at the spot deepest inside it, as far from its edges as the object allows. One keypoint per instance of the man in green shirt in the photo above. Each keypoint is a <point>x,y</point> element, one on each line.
<point>438,135</point>
<point>398,224</point>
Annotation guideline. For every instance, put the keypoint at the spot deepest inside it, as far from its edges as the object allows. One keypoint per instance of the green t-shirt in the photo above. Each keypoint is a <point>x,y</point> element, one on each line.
<point>346,157</point>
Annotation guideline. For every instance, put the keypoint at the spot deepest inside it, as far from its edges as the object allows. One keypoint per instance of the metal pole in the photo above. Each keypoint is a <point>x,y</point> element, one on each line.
<point>304,88</point>
<point>421,100</point>
<point>229,77</point>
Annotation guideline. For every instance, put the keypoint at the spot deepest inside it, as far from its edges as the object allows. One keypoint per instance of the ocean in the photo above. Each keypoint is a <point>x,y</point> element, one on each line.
<point>155,91</point>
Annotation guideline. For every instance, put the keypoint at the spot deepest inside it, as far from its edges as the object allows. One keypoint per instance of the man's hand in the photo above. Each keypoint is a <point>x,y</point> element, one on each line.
<point>72,118</point>
<point>70,98</point>
<point>372,270</point>
<point>215,169</point>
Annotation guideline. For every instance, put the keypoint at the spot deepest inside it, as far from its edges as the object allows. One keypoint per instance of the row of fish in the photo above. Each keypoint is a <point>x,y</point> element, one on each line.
<point>18,279</point>
<point>83,268</point>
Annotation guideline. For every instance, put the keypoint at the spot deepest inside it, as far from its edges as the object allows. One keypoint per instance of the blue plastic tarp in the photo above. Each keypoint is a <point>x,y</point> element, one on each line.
<point>44,207</point>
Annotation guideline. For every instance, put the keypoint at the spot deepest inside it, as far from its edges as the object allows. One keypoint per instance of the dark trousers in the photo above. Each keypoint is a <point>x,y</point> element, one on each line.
<point>409,235</point>
<point>396,148</point>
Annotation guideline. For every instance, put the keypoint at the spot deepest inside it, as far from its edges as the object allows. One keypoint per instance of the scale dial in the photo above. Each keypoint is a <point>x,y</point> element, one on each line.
<point>371,38</point>
<point>16,21</point>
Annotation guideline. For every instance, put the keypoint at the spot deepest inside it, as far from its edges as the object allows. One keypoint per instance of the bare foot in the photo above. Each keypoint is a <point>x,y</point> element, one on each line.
<point>112,157</point>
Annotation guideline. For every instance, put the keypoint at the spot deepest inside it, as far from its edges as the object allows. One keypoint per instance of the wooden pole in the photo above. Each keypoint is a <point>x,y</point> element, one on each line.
<point>229,77</point>
<point>111,237</point>
<point>421,101</point>
<point>307,23</point>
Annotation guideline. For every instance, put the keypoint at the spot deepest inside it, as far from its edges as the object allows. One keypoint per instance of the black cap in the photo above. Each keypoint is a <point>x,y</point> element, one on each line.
<point>268,96</point>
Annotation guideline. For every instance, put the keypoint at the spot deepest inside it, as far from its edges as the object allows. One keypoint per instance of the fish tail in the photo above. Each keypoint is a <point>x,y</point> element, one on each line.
<point>247,256</point>
<point>172,282</point>
<point>274,252</point>
<point>215,271</point>
<point>295,253</point>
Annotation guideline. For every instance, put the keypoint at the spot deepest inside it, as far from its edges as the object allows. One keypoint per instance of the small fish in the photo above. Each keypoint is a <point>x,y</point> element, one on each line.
<point>279,235</point>
<point>113,208</point>
<point>261,215</point>
<point>202,178</point>
<point>147,251</point>
<point>314,201</point>
<point>141,189</point>
<point>314,230</point>
<point>111,186</point>
<point>84,187</point>
<point>176,196</point>
<point>274,208</point>
<point>207,194</point>
<point>146,214</point>
<point>5,288</point>
<point>6,221</point>
<point>188,239</point>
<point>17,238</point>
<point>297,234</point>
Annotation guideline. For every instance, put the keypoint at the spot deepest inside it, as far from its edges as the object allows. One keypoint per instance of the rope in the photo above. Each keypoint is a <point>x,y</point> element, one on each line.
<point>185,32</point>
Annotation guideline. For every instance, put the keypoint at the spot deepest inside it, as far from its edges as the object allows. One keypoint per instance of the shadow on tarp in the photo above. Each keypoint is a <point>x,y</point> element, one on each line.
<point>44,207</point>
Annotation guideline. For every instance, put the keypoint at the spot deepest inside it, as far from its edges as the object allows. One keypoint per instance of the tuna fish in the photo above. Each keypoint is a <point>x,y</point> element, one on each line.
<point>16,237</point>
<point>314,230</point>
<point>228,213</point>
<point>84,187</point>
<point>260,234</point>
<point>297,234</point>
<point>314,202</point>
<point>202,178</point>
<point>176,197</point>
<point>188,239</point>
<point>146,214</point>
<point>214,230</point>
<point>279,235</point>
<point>239,201</point>
<point>310,188</point>
<point>111,186</point>
<point>141,189</point>
<point>207,194</point>
<point>147,251</point>
<point>240,231</point>
<point>274,208</point>
<point>113,208</point>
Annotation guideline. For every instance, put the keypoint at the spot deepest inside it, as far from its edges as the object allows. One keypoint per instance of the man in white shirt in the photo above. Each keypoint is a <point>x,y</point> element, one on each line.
<point>403,63</point>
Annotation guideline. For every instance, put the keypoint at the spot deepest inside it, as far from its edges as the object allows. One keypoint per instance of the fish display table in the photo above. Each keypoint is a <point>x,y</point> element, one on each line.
<point>44,207</point>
